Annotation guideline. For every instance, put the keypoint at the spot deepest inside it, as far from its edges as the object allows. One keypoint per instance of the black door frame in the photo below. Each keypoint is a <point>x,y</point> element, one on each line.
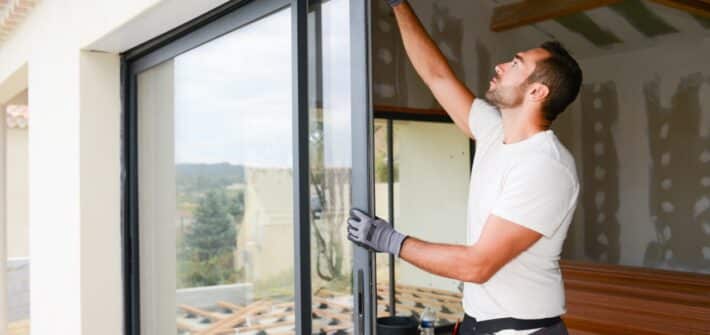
<point>363,180</point>
<point>207,27</point>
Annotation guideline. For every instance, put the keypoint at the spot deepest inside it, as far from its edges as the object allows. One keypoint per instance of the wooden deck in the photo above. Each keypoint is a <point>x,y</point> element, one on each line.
<point>332,313</point>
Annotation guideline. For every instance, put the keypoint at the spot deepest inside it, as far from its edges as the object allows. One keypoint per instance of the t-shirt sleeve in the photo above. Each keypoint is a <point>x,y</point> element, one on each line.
<point>538,194</point>
<point>483,119</point>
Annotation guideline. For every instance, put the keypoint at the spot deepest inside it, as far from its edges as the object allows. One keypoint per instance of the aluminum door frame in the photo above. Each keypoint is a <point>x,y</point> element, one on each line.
<point>220,21</point>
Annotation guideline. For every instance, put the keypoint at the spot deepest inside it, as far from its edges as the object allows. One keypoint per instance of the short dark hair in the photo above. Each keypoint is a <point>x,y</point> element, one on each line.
<point>561,74</point>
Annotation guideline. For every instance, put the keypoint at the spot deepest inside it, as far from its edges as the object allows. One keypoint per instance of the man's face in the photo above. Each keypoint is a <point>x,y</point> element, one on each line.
<point>508,87</point>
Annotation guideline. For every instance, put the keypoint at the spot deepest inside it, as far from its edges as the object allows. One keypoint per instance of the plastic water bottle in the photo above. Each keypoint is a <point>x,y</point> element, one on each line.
<point>428,319</point>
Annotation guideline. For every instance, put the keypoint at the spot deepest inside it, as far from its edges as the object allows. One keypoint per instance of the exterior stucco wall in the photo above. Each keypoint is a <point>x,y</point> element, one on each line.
<point>74,150</point>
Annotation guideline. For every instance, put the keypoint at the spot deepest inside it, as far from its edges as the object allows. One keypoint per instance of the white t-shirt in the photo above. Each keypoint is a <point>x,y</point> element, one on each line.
<point>534,184</point>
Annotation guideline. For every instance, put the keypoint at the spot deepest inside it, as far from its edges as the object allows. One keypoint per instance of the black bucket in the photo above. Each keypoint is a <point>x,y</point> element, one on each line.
<point>397,325</point>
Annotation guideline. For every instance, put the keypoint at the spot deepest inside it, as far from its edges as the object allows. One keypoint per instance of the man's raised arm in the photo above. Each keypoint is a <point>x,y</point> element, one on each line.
<point>432,67</point>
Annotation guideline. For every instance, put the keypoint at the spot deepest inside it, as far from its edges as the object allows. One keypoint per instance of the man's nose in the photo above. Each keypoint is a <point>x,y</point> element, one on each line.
<point>499,68</point>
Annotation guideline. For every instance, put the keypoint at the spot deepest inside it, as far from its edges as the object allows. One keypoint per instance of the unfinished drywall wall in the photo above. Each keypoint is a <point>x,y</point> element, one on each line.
<point>388,60</point>
<point>460,29</point>
<point>601,180</point>
<point>642,144</point>
<point>679,198</point>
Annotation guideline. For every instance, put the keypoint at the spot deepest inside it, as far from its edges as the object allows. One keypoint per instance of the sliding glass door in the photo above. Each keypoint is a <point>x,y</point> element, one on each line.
<point>247,140</point>
<point>215,179</point>
<point>330,144</point>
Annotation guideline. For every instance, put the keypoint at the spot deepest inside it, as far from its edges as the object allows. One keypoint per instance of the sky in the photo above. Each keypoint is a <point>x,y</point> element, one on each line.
<point>233,94</point>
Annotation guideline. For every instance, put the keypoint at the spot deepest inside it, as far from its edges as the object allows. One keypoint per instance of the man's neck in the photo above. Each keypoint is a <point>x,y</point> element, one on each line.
<point>519,124</point>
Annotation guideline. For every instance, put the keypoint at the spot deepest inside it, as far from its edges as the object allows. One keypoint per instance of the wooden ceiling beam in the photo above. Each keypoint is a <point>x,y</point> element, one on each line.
<point>525,12</point>
<point>696,7</point>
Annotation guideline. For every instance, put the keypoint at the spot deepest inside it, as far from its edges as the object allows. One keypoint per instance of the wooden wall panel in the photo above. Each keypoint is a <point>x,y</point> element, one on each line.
<point>609,299</point>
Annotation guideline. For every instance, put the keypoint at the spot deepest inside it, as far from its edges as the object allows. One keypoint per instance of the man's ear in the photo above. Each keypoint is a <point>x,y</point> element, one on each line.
<point>538,92</point>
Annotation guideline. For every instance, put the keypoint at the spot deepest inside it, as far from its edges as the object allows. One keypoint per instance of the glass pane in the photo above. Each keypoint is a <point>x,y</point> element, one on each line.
<point>215,180</point>
<point>330,167</point>
<point>432,165</point>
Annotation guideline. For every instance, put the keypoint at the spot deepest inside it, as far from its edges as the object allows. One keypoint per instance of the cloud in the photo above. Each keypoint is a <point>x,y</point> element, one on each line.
<point>233,95</point>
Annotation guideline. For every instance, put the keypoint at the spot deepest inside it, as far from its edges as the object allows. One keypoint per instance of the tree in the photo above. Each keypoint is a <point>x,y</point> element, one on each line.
<point>236,206</point>
<point>328,207</point>
<point>208,248</point>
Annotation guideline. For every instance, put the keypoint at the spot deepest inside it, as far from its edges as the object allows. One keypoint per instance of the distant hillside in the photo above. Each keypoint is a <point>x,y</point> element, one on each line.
<point>203,177</point>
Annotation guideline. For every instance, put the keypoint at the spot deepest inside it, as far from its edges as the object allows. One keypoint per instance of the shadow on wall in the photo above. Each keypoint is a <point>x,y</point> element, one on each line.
<point>600,179</point>
<point>679,199</point>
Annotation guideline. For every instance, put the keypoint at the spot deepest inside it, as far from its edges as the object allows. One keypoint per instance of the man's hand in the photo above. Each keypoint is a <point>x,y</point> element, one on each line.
<point>393,3</point>
<point>374,233</point>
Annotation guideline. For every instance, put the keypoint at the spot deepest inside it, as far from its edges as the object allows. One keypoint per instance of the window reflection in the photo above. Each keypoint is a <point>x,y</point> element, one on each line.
<point>216,198</point>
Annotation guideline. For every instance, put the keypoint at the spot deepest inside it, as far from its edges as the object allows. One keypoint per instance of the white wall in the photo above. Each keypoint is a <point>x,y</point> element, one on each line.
<point>74,150</point>
<point>99,187</point>
<point>434,168</point>
<point>55,243</point>
<point>158,248</point>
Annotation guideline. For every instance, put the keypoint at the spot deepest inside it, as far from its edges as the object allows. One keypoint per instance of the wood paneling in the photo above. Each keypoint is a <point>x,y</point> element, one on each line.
<point>528,12</point>
<point>609,299</point>
<point>410,111</point>
<point>697,7</point>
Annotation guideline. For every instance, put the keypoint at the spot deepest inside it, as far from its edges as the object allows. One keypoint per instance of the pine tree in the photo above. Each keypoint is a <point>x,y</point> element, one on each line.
<point>210,242</point>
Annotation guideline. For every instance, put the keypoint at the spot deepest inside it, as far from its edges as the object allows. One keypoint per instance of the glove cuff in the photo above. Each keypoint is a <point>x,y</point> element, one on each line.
<point>393,3</point>
<point>396,241</point>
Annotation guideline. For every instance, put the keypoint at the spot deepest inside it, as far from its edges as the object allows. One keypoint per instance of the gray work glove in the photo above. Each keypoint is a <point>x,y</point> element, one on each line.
<point>374,233</point>
<point>393,3</point>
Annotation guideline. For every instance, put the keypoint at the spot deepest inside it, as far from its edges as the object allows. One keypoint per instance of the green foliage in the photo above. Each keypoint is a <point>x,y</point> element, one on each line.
<point>193,180</point>
<point>207,251</point>
<point>381,147</point>
<point>327,223</point>
<point>277,285</point>
<point>381,172</point>
<point>216,270</point>
<point>213,230</point>
<point>236,206</point>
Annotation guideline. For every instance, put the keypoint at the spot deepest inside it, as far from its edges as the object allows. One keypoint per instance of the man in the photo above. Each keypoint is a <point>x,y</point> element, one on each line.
<point>523,189</point>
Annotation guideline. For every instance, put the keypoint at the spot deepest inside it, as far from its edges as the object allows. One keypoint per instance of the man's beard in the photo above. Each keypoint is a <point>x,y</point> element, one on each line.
<point>506,96</point>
